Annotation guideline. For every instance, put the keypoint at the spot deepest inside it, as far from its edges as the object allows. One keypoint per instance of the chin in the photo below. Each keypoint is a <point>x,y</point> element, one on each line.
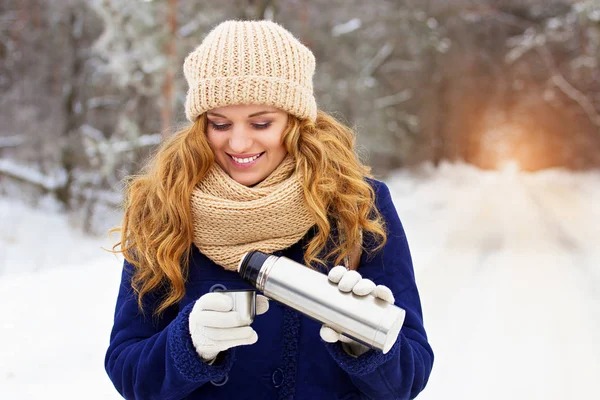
<point>247,180</point>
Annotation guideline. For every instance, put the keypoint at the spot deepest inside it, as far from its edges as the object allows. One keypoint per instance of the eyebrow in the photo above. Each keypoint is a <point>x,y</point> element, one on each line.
<point>249,116</point>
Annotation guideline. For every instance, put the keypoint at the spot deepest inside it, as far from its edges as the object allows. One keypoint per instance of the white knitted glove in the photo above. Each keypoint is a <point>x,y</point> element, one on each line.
<point>352,281</point>
<point>214,327</point>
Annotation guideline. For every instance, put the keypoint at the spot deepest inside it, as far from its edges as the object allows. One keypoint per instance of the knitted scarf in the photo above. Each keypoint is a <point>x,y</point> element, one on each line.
<point>231,219</point>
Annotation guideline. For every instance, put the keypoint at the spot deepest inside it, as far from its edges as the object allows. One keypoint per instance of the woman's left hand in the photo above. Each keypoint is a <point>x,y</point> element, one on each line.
<point>351,281</point>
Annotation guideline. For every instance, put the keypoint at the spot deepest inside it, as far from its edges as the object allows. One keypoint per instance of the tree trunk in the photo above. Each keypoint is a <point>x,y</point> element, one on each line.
<point>167,88</point>
<point>73,114</point>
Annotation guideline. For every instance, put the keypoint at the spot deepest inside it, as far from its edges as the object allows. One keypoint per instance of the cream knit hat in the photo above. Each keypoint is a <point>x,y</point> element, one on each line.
<point>250,62</point>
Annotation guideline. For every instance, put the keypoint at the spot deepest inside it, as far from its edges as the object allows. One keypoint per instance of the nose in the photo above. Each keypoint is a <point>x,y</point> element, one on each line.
<point>239,141</point>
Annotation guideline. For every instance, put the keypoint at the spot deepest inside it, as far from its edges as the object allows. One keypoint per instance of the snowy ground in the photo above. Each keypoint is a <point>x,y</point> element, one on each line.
<point>57,290</point>
<point>507,263</point>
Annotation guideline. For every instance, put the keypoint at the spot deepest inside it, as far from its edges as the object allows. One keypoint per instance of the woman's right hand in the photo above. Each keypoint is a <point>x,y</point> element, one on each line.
<point>215,327</point>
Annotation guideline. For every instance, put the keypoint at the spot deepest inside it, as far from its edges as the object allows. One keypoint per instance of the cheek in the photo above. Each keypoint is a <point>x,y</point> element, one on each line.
<point>276,147</point>
<point>213,140</point>
<point>275,141</point>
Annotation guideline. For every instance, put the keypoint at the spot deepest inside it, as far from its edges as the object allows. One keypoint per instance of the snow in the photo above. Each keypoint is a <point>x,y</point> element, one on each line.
<point>33,175</point>
<point>507,266</point>
<point>109,148</point>
<point>58,288</point>
<point>346,27</point>
<point>506,263</point>
<point>11,141</point>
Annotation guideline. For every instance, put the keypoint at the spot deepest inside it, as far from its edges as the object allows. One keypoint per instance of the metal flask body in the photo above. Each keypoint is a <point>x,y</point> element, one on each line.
<point>366,319</point>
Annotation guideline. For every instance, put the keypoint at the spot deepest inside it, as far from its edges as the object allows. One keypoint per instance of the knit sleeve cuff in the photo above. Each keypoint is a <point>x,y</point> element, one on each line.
<point>363,364</point>
<point>185,358</point>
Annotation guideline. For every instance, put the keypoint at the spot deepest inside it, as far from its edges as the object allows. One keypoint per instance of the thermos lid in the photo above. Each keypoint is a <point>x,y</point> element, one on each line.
<point>250,265</point>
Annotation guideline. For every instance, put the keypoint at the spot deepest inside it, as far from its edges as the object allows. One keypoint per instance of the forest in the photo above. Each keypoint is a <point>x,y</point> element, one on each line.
<point>90,87</point>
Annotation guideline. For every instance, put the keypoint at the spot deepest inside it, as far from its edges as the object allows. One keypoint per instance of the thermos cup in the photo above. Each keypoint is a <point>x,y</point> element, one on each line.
<point>366,319</point>
<point>244,302</point>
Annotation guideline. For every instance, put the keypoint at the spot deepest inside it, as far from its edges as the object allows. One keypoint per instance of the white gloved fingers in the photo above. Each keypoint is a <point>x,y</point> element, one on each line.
<point>215,331</point>
<point>336,273</point>
<point>215,301</point>
<point>329,335</point>
<point>363,287</point>
<point>216,319</point>
<point>351,346</point>
<point>348,281</point>
<point>209,357</point>
<point>228,334</point>
<point>208,349</point>
<point>253,338</point>
<point>346,339</point>
<point>262,304</point>
<point>384,293</point>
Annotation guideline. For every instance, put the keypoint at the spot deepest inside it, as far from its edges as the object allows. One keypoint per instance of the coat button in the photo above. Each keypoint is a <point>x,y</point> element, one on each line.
<point>277,377</point>
<point>217,288</point>
<point>221,382</point>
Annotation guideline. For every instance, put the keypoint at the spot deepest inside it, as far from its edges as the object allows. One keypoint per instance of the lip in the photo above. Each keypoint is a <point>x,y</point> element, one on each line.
<point>244,155</point>
<point>246,165</point>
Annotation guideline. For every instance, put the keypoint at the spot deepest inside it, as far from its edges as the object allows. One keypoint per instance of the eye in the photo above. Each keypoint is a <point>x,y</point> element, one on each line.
<point>220,127</point>
<point>262,126</point>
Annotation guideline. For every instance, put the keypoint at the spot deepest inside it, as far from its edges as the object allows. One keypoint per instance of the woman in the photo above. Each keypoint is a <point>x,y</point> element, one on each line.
<point>260,168</point>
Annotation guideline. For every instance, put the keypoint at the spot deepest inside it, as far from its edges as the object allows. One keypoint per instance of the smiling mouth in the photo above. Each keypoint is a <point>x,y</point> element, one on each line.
<point>247,160</point>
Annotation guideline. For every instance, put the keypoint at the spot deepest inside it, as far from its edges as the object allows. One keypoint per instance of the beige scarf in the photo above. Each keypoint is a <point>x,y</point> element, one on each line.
<point>231,219</point>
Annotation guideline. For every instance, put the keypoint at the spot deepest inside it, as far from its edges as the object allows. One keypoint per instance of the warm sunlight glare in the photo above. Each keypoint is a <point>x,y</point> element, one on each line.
<point>510,146</point>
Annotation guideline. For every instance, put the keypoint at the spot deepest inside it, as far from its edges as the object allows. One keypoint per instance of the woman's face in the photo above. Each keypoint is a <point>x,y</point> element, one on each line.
<point>247,140</point>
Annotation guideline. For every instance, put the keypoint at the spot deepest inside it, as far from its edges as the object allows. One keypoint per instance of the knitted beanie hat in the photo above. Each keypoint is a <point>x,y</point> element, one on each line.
<point>250,62</point>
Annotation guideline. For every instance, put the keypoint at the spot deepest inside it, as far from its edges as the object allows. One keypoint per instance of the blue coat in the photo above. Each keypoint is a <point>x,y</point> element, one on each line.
<point>150,358</point>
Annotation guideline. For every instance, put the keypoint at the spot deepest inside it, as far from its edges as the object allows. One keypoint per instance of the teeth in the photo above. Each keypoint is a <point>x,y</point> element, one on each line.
<point>245,160</point>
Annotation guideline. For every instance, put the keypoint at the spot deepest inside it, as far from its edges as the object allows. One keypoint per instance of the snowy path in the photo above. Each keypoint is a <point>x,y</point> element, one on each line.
<point>508,266</point>
<point>511,298</point>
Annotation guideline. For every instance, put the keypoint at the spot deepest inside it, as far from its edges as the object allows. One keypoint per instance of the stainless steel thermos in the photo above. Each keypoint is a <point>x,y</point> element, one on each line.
<point>366,319</point>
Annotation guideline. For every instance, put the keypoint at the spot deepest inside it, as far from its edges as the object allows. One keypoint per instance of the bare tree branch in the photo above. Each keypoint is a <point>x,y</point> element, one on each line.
<point>122,146</point>
<point>25,174</point>
<point>394,99</point>
<point>532,39</point>
<point>382,55</point>
<point>573,93</point>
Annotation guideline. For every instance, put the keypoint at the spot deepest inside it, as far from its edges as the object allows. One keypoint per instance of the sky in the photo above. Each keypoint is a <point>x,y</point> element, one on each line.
<point>507,264</point>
